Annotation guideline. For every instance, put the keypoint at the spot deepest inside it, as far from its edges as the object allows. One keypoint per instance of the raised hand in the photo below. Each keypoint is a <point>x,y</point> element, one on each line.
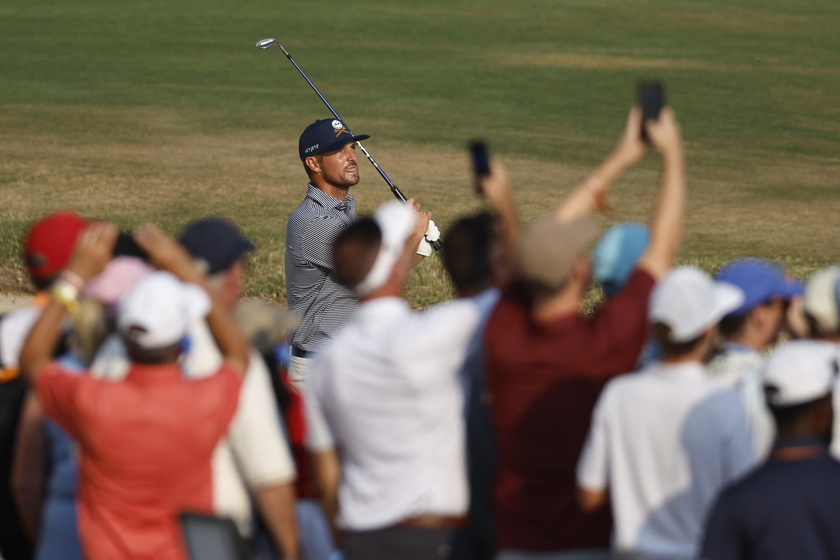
<point>165,253</point>
<point>630,147</point>
<point>664,133</point>
<point>94,250</point>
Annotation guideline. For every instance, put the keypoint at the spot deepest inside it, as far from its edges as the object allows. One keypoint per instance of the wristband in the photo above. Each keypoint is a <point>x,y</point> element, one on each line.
<point>599,193</point>
<point>67,295</point>
<point>73,279</point>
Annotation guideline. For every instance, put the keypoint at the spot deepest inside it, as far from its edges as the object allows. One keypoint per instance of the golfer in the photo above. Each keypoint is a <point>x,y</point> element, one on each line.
<point>328,152</point>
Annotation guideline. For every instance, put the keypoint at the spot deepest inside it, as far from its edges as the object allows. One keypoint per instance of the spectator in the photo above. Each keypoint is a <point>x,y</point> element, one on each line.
<point>386,393</point>
<point>145,443</point>
<point>789,506</point>
<point>478,255</point>
<point>750,330</point>
<point>546,362</point>
<point>46,469</point>
<point>253,458</point>
<point>664,441</point>
<point>46,250</point>
<point>821,312</point>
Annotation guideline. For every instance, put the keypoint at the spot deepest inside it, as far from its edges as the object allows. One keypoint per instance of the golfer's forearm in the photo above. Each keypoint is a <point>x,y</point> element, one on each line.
<point>42,340</point>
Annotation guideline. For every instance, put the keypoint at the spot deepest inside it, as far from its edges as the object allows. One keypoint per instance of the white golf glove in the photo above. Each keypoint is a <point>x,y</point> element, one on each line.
<point>432,234</point>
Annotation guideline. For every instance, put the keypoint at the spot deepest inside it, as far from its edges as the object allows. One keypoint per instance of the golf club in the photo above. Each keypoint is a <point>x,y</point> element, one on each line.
<point>268,43</point>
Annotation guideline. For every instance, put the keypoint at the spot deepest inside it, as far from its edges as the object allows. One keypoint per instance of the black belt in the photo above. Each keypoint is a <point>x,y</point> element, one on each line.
<point>300,353</point>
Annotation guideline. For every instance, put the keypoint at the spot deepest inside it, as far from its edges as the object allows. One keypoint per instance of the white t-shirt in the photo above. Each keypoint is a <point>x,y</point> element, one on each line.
<point>255,453</point>
<point>664,441</point>
<point>385,392</point>
<point>14,328</point>
<point>739,367</point>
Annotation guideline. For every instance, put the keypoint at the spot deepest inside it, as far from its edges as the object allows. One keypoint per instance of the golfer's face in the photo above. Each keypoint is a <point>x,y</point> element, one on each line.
<point>341,167</point>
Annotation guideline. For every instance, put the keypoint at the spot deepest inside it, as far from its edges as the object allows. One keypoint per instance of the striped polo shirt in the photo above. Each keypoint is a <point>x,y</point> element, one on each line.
<point>323,305</point>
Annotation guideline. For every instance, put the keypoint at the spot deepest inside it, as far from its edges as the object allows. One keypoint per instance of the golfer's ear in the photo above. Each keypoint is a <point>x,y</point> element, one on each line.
<point>312,163</point>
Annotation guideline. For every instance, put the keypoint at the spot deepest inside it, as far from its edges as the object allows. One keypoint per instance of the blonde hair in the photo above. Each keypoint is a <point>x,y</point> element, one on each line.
<point>90,329</point>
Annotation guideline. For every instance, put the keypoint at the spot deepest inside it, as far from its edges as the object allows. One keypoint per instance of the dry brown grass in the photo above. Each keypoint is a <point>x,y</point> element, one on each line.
<point>161,170</point>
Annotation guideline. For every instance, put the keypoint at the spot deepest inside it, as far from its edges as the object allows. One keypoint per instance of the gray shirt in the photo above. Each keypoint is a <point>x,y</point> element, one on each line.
<point>324,305</point>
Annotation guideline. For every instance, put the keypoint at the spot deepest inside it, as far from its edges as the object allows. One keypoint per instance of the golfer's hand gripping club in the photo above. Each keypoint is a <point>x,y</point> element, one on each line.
<point>432,234</point>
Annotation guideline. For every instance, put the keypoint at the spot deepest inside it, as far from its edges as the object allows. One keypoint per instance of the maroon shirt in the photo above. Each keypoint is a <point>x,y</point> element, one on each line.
<point>544,381</point>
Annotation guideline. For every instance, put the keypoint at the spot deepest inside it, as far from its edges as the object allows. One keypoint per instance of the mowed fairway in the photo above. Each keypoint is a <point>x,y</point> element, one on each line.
<point>164,111</point>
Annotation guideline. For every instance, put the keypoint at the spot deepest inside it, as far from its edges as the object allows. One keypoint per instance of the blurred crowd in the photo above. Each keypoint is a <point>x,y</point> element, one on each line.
<point>148,412</point>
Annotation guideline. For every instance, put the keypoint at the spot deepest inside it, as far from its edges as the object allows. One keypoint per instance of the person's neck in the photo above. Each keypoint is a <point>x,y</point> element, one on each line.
<point>751,340</point>
<point>798,446</point>
<point>565,303</point>
<point>338,193</point>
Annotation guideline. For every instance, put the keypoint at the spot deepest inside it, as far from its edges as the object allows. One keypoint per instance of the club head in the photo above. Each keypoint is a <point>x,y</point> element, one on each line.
<point>265,43</point>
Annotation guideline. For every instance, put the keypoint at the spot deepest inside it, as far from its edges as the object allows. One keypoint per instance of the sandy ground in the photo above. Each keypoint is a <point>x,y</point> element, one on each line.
<point>9,302</point>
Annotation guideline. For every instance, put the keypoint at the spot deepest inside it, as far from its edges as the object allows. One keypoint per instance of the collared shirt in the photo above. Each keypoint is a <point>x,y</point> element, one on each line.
<point>664,441</point>
<point>784,509</point>
<point>254,454</point>
<point>146,445</point>
<point>323,304</point>
<point>386,392</point>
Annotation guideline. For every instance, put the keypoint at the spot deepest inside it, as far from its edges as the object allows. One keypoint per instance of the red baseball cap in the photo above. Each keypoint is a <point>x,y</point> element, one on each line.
<point>49,243</point>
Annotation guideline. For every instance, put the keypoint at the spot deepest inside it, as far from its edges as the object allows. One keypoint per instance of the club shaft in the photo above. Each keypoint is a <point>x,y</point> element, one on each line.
<point>436,244</point>
<point>394,189</point>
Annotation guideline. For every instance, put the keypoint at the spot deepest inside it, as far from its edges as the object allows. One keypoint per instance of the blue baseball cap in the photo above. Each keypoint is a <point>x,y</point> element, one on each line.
<point>760,281</point>
<point>616,253</point>
<point>215,241</point>
<point>324,136</point>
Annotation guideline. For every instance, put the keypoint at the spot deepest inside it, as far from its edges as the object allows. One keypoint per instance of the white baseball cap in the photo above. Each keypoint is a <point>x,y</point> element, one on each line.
<point>800,372</point>
<point>821,299</point>
<point>395,221</point>
<point>688,301</point>
<point>162,307</point>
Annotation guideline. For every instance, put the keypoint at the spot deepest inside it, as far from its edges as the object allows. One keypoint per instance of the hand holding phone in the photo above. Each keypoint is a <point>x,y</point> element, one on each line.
<point>651,98</point>
<point>480,161</point>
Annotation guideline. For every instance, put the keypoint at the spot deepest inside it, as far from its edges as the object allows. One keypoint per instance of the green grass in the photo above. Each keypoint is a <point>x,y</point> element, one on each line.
<point>165,111</point>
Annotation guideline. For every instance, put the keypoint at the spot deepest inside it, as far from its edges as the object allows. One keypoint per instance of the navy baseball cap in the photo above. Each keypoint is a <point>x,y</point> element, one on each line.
<point>324,136</point>
<point>760,281</point>
<point>215,241</point>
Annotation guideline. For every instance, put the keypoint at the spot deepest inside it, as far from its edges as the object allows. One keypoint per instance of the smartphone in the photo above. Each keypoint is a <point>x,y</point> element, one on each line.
<point>651,98</point>
<point>126,246</point>
<point>480,159</point>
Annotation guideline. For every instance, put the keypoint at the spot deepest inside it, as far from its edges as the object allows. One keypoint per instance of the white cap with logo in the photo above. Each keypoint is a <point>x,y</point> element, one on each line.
<point>688,301</point>
<point>157,311</point>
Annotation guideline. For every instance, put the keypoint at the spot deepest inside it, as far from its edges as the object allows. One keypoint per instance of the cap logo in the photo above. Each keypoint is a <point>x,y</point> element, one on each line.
<point>311,149</point>
<point>339,129</point>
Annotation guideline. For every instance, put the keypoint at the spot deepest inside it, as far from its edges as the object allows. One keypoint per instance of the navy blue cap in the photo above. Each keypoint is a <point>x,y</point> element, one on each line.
<point>760,281</point>
<point>324,136</point>
<point>215,241</point>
